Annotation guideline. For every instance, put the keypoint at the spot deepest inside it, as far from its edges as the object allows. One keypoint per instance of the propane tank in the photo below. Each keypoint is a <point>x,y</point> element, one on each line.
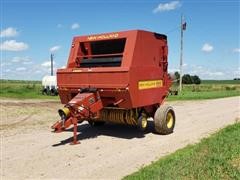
<point>49,84</point>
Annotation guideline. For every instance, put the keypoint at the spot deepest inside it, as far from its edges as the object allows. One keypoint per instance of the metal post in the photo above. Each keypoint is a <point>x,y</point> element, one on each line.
<point>181,56</point>
<point>75,141</point>
<point>51,64</point>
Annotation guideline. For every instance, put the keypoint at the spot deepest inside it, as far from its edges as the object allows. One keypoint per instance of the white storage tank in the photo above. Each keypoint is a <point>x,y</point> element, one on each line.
<point>49,84</point>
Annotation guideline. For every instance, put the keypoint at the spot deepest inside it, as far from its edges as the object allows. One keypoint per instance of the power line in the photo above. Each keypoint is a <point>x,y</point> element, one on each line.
<point>180,26</point>
<point>172,30</point>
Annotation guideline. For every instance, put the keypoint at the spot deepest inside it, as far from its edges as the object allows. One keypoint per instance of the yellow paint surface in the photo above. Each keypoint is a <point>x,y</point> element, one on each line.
<point>149,84</point>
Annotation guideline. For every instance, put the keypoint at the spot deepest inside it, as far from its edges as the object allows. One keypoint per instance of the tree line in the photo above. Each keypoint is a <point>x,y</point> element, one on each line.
<point>187,78</point>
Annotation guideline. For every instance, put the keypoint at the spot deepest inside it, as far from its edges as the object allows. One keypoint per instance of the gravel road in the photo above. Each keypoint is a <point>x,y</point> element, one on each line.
<point>30,151</point>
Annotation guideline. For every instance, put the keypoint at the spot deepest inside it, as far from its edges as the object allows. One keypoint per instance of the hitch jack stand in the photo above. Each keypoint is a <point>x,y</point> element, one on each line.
<point>75,141</point>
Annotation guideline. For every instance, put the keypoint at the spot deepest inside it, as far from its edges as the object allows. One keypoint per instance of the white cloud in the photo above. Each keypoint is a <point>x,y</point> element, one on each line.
<point>172,70</point>
<point>54,48</point>
<point>20,69</point>
<point>17,59</point>
<point>27,62</point>
<point>63,67</point>
<point>75,26</point>
<point>236,50</point>
<point>207,47</point>
<point>198,67</point>
<point>9,32</point>
<point>5,64</point>
<point>208,72</point>
<point>38,72</point>
<point>13,45</point>
<point>47,64</point>
<point>237,72</point>
<point>217,73</point>
<point>54,69</point>
<point>167,6</point>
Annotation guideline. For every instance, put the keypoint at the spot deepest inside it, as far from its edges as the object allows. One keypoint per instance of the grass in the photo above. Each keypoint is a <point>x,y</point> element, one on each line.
<point>216,157</point>
<point>220,81</point>
<point>22,90</point>
<point>203,95</point>
<point>209,89</point>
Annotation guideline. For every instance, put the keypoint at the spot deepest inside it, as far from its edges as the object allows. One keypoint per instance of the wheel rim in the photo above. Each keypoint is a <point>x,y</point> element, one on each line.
<point>144,123</point>
<point>169,119</point>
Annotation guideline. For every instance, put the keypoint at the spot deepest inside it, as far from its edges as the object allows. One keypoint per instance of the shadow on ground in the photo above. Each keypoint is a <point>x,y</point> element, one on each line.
<point>85,131</point>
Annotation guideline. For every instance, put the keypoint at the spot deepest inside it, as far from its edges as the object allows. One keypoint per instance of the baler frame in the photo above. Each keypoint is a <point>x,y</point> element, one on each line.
<point>106,82</point>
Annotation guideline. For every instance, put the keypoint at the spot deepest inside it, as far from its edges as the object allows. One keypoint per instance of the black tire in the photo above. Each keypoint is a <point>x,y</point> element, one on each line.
<point>52,92</point>
<point>96,123</point>
<point>164,120</point>
<point>44,92</point>
<point>142,123</point>
<point>56,93</point>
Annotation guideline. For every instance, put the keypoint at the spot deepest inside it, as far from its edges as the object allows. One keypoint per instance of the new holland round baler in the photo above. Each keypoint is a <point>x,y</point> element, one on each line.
<point>119,77</point>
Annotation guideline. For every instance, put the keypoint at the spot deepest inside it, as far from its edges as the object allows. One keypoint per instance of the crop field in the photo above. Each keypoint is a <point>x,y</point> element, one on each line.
<point>209,89</point>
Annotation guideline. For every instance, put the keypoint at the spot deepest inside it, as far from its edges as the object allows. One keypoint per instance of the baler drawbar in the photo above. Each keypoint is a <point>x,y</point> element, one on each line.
<point>118,77</point>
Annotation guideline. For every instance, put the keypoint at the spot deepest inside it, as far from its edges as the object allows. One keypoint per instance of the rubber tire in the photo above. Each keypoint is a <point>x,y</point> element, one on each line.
<point>96,123</point>
<point>139,123</point>
<point>160,117</point>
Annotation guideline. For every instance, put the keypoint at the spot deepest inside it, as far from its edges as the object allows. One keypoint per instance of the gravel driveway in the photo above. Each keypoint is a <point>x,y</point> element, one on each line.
<point>29,149</point>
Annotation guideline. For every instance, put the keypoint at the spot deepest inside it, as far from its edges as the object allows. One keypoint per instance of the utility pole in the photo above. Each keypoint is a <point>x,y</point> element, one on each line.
<point>183,27</point>
<point>51,64</point>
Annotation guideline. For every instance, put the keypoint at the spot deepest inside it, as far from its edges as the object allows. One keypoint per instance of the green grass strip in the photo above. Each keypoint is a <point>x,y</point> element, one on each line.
<point>32,90</point>
<point>216,157</point>
<point>188,95</point>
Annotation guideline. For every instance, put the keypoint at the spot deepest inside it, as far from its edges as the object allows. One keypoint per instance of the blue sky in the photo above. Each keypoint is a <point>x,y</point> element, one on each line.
<point>31,30</point>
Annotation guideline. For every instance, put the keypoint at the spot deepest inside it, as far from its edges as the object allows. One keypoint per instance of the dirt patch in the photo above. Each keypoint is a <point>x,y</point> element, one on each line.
<point>17,115</point>
<point>30,151</point>
<point>236,163</point>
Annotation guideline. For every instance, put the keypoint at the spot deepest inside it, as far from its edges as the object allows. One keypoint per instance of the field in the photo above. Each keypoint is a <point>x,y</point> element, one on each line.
<point>220,81</point>
<point>217,157</point>
<point>22,89</point>
<point>209,89</point>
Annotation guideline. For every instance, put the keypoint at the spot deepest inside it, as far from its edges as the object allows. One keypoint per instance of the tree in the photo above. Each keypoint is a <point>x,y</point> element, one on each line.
<point>186,79</point>
<point>196,79</point>
<point>177,76</point>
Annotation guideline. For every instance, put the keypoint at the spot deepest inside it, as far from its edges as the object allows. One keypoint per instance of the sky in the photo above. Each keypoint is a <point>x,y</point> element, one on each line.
<point>30,30</point>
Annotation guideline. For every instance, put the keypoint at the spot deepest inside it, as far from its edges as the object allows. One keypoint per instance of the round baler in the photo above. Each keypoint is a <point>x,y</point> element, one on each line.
<point>119,77</point>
